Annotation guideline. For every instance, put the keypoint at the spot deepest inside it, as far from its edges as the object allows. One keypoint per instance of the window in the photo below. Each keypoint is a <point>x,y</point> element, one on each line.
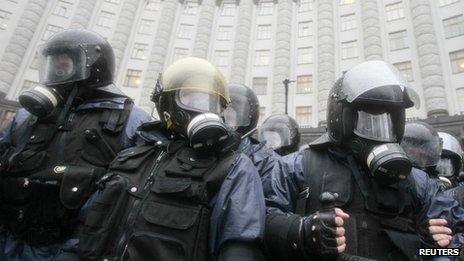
<point>460,94</point>
<point>106,19</point>
<point>146,26</point>
<point>447,2</point>
<point>406,69</point>
<point>228,9</point>
<point>259,85</point>
<point>4,17</point>
<point>346,2</point>
<point>112,1</point>
<point>264,32</point>
<point>303,115</point>
<point>348,22</point>
<point>180,53</point>
<point>349,50</point>
<point>191,8</point>
<point>221,58</point>
<point>50,30</point>
<point>262,57</point>
<point>185,31</point>
<point>153,5</point>
<point>305,6</point>
<point>62,8</point>
<point>457,61</point>
<point>304,55</point>
<point>265,8</point>
<point>224,33</point>
<point>394,11</point>
<point>133,78</point>
<point>454,26</point>
<point>35,63</point>
<point>140,51</point>
<point>305,28</point>
<point>304,83</point>
<point>398,40</point>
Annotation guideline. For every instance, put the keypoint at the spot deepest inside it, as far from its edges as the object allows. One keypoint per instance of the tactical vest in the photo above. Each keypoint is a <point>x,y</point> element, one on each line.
<point>155,205</point>
<point>380,224</point>
<point>51,171</point>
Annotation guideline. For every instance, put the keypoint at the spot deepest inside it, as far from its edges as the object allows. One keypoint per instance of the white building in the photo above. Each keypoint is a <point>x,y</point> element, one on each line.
<point>259,43</point>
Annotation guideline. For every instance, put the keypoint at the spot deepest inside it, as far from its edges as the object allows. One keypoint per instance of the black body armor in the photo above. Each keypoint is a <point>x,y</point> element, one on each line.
<point>154,204</point>
<point>50,171</point>
<point>380,225</point>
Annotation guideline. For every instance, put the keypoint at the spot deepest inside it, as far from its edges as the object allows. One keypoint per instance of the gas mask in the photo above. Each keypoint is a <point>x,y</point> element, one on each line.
<point>40,101</point>
<point>374,143</point>
<point>207,132</point>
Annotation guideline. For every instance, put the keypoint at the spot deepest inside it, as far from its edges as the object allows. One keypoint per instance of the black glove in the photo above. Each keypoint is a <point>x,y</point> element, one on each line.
<point>319,234</point>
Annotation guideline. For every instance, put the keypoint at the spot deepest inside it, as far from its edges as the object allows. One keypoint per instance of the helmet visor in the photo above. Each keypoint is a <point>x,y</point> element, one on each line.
<point>378,127</point>
<point>275,136</point>
<point>370,75</point>
<point>422,154</point>
<point>445,167</point>
<point>60,64</point>
<point>200,101</point>
<point>451,144</point>
<point>237,114</point>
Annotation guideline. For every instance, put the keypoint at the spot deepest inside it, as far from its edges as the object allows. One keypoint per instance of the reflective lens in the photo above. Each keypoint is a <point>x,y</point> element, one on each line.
<point>237,114</point>
<point>378,127</point>
<point>198,100</point>
<point>445,167</point>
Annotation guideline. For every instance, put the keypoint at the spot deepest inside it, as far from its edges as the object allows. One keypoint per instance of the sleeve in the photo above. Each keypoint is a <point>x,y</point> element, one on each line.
<point>238,208</point>
<point>431,203</point>
<point>136,118</point>
<point>281,188</point>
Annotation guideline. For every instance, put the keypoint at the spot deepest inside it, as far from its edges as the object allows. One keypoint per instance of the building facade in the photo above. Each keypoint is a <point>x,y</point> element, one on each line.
<point>256,42</point>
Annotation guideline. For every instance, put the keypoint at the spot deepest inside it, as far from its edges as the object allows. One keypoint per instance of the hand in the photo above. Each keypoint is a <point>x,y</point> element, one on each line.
<point>324,234</point>
<point>440,232</point>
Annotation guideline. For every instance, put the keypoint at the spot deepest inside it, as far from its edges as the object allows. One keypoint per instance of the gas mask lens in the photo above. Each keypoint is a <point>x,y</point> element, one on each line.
<point>200,101</point>
<point>273,139</point>
<point>377,127</point>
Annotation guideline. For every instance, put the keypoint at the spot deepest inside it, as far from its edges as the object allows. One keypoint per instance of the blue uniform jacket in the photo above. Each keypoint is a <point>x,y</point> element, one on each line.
<point>238,209</point>
<point>11,249</point>
<point>281,192</point>
<point>264,158</point>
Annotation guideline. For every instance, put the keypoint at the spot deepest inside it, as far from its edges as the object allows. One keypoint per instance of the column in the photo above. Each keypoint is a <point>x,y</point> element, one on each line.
<point>19,42</point>
<point>205,24</point>
<point>158,51</point>
<point>282,57</point>
<point>325,55</point>
<point>242,42</point>
<point>123,29</point>
<point>371,30</point>
<point>429,58</point>
<point>83,14</point>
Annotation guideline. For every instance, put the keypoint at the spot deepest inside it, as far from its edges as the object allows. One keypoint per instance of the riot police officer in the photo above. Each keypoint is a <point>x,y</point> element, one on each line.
<point>56,147</point>
<point>186,195</point>
<point>450,163</point>
<point>423,146</point>
<point>242,115</point>
<point>352,191</point>
<point>281,133</point>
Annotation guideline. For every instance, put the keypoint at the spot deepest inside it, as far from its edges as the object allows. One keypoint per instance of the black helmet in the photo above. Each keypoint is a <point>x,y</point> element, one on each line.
<point>187,88</point>
<point>243,111</point>
<point>422,145</point>
<point>372,91</point>
<point>281,133</point>
<point>451,156</point>
<point>76,55</point>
